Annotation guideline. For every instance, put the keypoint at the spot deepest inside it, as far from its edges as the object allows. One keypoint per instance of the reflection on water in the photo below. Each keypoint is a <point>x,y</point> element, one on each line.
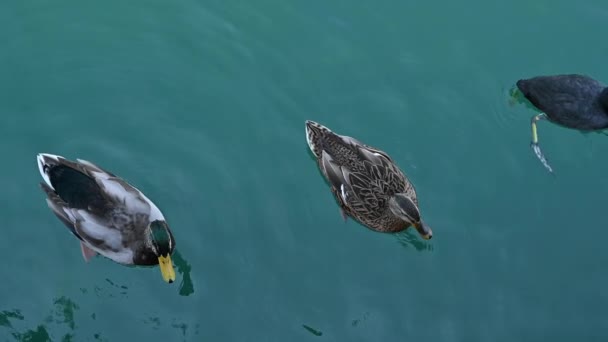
<point>186,287</point>
<point>122,288</point>
<point>107,292</point>
<point>408,239</point>
<point>98,337</point>
<point>60,324</point>
<point>356,322</point>
<point>5,317</point>
<point>154,322</point>
<point>62,314</point>
<point>37,335</point>
<point>183,328</point>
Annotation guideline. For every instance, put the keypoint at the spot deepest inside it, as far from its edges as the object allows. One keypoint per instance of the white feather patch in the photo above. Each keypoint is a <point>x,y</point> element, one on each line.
<point>40,158</point>
<point>308,141</point>
<point>155,213</point>
<point>88,226</point>
<point>124,256</point>
<point>130,199</point>
<point>134,201</point>
<point>91,166</point>
<point>91,227</point>
<point>343,193</point>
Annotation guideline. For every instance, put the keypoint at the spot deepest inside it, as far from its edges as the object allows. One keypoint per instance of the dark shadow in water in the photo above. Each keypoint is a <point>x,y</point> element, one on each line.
<point>312,331</point>
<point>38,335</point>
<point>183,328</point>
<point>107,291</point>
<point>356,322</point>
<point>61,314</point>
<point>120,287</point>
<point>154,322</point>
<point>409,239</point>
<point>64,312</point>
<point>98,337</point>
<point>60,324</point>
<point>5,317</point>
<point>186,287</point>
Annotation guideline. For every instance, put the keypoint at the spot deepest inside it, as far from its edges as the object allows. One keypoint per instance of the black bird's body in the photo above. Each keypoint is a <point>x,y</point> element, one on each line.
<point>572,101</point>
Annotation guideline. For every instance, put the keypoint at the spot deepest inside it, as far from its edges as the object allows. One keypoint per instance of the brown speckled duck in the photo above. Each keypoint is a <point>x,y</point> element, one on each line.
<point>367,184</point>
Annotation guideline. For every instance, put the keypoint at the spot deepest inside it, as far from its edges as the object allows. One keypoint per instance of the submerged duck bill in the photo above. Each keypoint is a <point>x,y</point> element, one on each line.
<point>427,236</point>
<point>166,268</point>
<point>425,231</point>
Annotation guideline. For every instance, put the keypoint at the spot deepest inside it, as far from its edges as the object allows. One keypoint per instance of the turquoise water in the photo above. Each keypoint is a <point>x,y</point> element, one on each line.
<point>201,105</point>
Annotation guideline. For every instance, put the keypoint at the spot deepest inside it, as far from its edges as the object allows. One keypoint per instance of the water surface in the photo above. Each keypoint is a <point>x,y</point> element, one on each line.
<point>201,105</point>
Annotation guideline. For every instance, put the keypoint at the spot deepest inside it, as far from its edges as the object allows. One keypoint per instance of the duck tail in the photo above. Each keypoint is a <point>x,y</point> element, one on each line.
<point>46,162</point>
<point>314,135</point>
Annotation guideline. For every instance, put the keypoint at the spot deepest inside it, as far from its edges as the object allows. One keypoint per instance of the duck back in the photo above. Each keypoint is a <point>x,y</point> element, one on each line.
<point>75,188</point>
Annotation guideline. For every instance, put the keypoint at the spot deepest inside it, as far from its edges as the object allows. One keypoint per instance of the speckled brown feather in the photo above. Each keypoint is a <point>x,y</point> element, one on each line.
<point>369,177</point>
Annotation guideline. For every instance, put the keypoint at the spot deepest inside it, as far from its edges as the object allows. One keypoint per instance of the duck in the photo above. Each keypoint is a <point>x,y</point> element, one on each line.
<point>569,100</point>
<point>366,183</point>
<point>109,216</point>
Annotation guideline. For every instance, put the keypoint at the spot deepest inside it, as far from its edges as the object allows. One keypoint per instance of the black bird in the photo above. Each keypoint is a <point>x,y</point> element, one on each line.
<point>572,101</point>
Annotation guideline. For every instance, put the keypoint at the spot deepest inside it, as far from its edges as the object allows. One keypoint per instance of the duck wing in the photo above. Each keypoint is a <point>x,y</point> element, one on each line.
<point>364,185</point>
<point>383,171</point>
<point>69,185</point>
<point>84,185</point>
<point>96,231</point>
<point>60,208</point>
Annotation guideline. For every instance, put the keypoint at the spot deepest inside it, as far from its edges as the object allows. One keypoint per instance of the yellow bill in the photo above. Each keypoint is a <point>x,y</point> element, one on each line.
<point>166,268</point>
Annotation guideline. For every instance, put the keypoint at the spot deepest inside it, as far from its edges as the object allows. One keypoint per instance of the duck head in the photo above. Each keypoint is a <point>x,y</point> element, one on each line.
<point>162,245</point>
<point>404,207</point>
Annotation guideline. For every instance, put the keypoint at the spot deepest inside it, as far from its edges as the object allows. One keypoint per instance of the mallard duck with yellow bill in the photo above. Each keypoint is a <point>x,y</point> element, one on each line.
<point>108,215</point>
